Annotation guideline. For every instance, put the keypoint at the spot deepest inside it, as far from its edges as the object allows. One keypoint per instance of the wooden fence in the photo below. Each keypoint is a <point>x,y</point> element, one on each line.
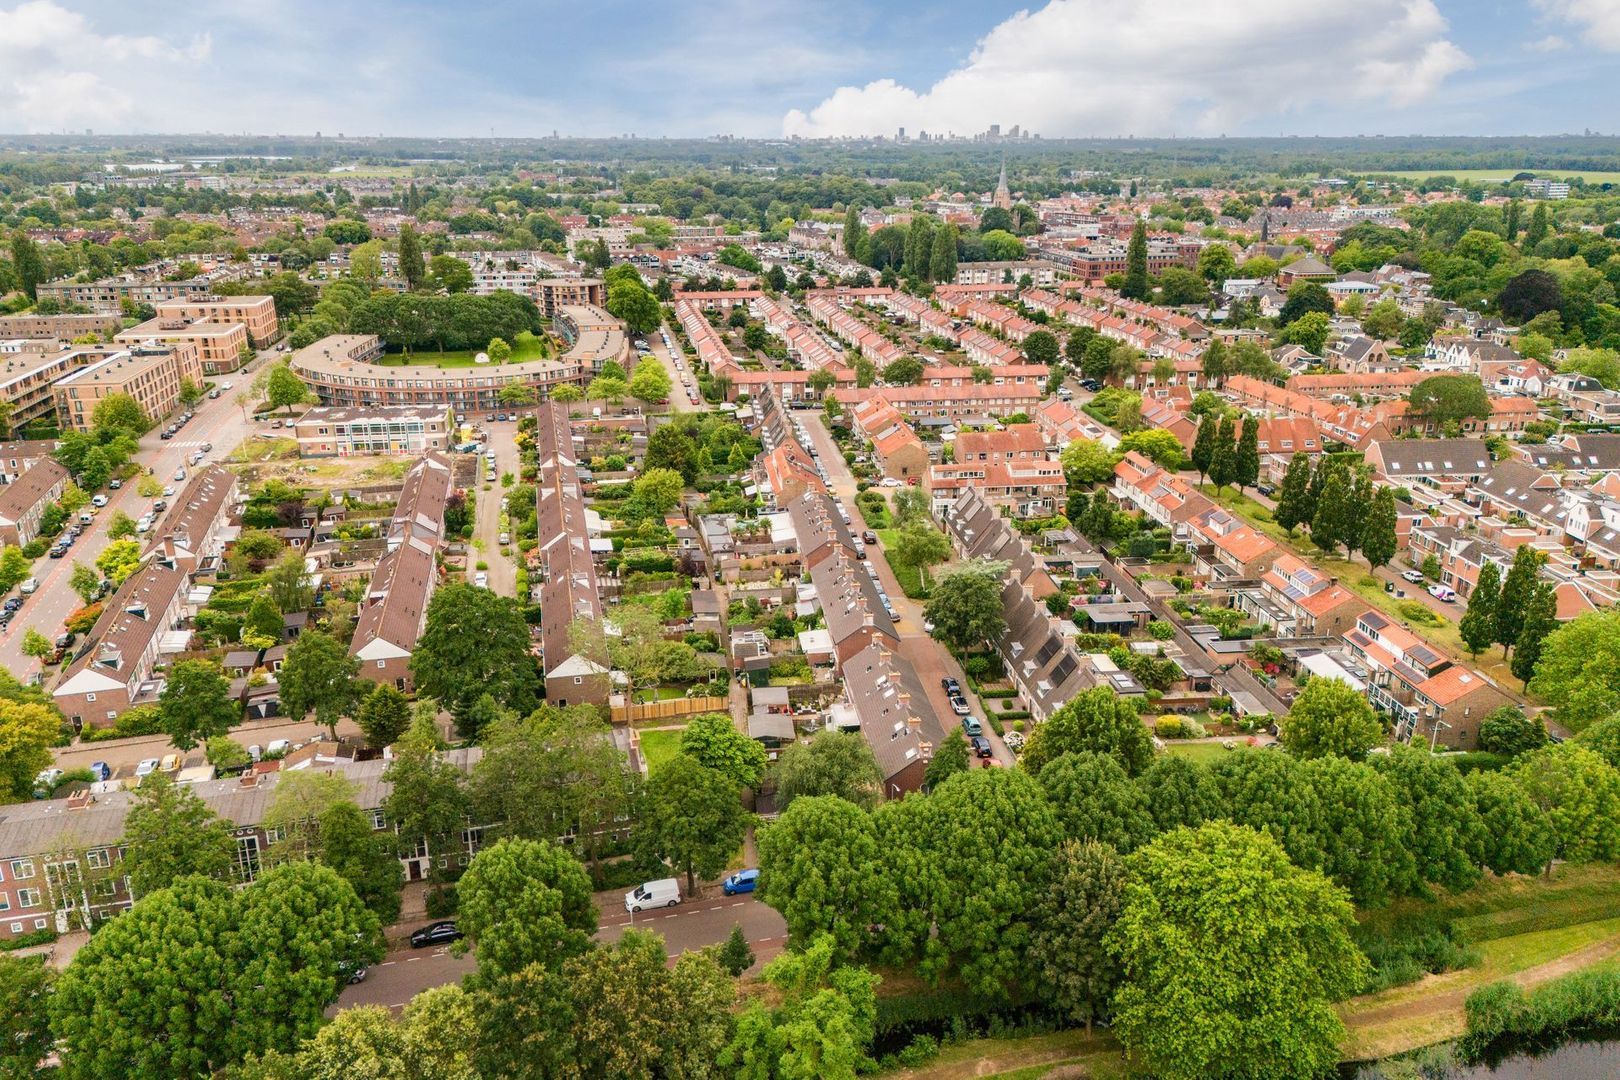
<point>670,709</point>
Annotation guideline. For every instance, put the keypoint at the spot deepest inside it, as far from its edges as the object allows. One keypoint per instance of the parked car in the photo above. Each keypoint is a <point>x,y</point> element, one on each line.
<point>665,892</point>
<point>352,972</point>
<point>1413,576</point>
<point>959,705</point>
<point>277,747</point>
<point>439,933</point>
<point>981,746</point>
<point>171,762</point>
<point>115,484</point>
<point>972,726</point>
<point>505,538</point>
<point>160,506</point>
<point>869,536</point>
<point>100,770</point>
<point>742,881</point>
<point>28,586</point>
<point>481,580</point>
<point>1443,592</point>
<point>951,686</point>
<point>147,767</point>
<point>179,474</point>
<point>98,500</point>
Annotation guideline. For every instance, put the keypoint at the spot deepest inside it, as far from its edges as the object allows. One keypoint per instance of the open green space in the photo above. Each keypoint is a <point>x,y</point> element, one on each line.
<point>909,577</point>
<point>527,347</point>
<point>1204,752</point>
<point>659,746</point>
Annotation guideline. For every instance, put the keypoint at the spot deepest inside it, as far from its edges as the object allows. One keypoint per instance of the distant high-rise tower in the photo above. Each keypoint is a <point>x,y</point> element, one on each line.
<point>900,135</point>
<point>1003,197</point>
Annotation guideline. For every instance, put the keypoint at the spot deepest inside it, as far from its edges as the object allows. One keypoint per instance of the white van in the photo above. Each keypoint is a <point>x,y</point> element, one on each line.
<point>666,892</point>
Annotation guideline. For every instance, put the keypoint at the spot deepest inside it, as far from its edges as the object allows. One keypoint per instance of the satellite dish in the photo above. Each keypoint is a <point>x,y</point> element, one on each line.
<point>481,358</point>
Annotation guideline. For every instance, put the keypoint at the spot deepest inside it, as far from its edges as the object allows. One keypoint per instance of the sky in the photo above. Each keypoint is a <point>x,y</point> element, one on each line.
<point>769,68</point>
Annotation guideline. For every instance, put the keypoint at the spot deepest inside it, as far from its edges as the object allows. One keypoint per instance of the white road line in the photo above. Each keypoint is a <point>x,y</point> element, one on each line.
<point>738,904</point>
<point>388,963</point>
<point>412,959</point>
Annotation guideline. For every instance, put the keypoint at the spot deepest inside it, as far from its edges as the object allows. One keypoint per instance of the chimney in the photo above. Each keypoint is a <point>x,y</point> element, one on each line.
<point>913,724</point>
<point>905,701</point>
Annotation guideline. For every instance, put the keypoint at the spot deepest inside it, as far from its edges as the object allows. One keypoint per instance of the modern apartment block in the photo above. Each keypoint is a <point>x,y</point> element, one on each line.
<point>327,431</point>
<point>28,379</point>
<point>256,313</point>
<point>150,375</point>
<point>58,327</point>
<point>220,345</point>
<point>554,294</point>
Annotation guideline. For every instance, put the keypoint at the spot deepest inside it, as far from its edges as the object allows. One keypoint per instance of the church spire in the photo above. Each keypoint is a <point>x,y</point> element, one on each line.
<point>1003,197</point>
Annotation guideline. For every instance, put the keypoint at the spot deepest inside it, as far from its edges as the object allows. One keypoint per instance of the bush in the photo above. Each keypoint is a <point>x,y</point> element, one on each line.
<point>1418,612</point>
<point>28,940</point>
<point>136,720</point>
<point>919,1051</point>
<point>1415,946</point>
<point>441,902</point>
<point>1160,630</point>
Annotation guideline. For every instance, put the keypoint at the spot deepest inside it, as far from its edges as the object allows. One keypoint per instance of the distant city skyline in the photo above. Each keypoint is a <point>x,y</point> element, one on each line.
<point>1070,68</point>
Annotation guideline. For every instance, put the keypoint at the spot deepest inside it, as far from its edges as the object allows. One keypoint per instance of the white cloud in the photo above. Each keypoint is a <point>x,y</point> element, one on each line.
<point>1156,67</point>
<point>57,71</point>
<point>1550,43</point>
<point>1598,20</point>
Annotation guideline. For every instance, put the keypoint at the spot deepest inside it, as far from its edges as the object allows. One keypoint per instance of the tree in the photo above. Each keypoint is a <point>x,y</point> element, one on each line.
<point>426,801</point>
<point>1446,831</point>
<point>120,411</point>
<point>1179,286</point>
<point>1094,799</point>
<point>630,301</point>
<point>411,267</point>
<point>1136,285</point>
<point>1223,455</point>
<point>498,351</point>
<point>1246,464</point>
<point>1540,620</point>
<point>1329,717</point>
<point>714,742</point>
<point>283,389</point>
<point>225,753</point>
<point>1518,588</point>
<point>1384,319</point>
<point>832,763</point>
<point>659,490</point>
<point>85,581</point>
<point>1086,461</point>
<point>1378,541</point>
<point>26,983</point>
<point>1336,519</point>
<point>475,642</point>
<point>1580,794</point>
<point>169,833</point>
<point>903,372</point>
<point>1518,838</point>
<point>1203,450</point>
<point>950,757</point>
<point>27,731</point>
<point>942,259</point>
<point>854,231</point>
<point>119,559</point>
<point>1450,399</point>
<point>1578,673</point>
<point>1478,624</point>
<point>920,545</point>
<point>1213,364</point>
<point>668,447</point>
<point>120,526</point>
<point>1309,331</point>
<point>822,868</point>
<point>27,264</point>
<point>365,858</point>
<point>319,676</point>
<point>735,955</point>
<point>1217,263</point>
<point>36,644</point>
<point>384,716</point>
<point>1532,292</point>
<point>650,383</point>
<point>287,584</point>
<point>1158,445</point>
<point>1215,989</point>
<point>196,703</point>
<point>195,977</point>
<point>1179,791</point>
<point>692,818</point>
<point>1041,347</point>
<point>965,605</point>
<point>1366,830</point>
<point>1507,730</point>
<point>1072,920</point>
<point>1305,297</point>
<point>1095,720</point>
<point>14,566</point>
<point>525,902</point>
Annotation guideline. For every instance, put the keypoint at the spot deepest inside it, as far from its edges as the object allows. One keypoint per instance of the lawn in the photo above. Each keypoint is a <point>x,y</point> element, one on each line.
<point>659,746</point>
<point>910,577</point>
<point>526,347</point>
<point>1204,752</point>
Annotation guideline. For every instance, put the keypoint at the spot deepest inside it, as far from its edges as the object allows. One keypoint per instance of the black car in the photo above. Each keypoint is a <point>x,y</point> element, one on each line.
<point>869,537</point>
<point>981,746</point>
<point>439,933</point>
<point>950,685</point>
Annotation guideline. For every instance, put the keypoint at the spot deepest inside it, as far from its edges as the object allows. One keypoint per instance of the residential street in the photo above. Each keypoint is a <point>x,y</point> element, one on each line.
<point>691,925</point>
<point>931,660</point>
<point>502,570</point>
<point>219,421</point>
<point>682,381</point>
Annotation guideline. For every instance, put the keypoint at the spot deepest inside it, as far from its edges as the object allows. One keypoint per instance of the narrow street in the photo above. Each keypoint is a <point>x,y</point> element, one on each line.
<point>682,383</point>
<point>931,660</point>
<point>491,500</point>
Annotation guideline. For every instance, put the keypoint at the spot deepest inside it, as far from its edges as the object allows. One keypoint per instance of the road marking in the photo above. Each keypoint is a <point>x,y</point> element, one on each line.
<point>388,963</point>
<point>738,904</point>
<point>412,959</point>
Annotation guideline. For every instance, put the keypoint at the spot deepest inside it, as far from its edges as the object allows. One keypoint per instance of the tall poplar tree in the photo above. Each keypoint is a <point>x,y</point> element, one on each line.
<point>1517,590</point>
<point>1378,529</point>
<point>1214,363</point>
<point>1540,620</point>
<point>1478,625</point>
<point>1334,509</point>
<point>1136,284</point>
<point>1294,503</point>
<point>411,266</point>
<point>942,262</point>
<point>1223,462</point>
<point>1248,454</point>
<point>1203,451</point>
<point>854,230</point>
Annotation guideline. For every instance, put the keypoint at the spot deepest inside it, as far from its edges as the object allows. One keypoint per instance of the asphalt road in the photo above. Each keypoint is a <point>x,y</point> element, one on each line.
<point>502,570</point>
<point>684,382</point>
<point>931,660</point>
<point>691,925</point>
<point>217,421</point>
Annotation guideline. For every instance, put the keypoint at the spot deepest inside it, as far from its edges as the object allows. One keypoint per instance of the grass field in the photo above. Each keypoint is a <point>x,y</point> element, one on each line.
<point>1483,175</point>
<point>1204,752</point>
<point>657,747</point>
<point>910,577</point>
<point>526,347</point>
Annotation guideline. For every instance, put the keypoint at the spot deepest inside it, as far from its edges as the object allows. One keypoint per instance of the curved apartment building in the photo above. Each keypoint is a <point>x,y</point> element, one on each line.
<point>341,369</point>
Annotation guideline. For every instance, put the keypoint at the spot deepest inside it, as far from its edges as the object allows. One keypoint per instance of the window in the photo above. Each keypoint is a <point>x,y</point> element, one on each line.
<point>16,928</point>
<point>382,663</point>
<point>39,924</point>
<point>89,697</point>
<point>378,820</point>
<point>22,868</point>
<point>98,859</point>
<point>5,902</point>
<point>28,898</point>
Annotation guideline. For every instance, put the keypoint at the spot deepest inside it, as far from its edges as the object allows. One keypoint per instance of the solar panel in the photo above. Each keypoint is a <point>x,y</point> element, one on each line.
<point>1048,650</point>
<point>1064,669</point>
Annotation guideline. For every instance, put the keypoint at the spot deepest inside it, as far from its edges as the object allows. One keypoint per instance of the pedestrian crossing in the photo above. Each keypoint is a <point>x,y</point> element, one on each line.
<point>187,444</point>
